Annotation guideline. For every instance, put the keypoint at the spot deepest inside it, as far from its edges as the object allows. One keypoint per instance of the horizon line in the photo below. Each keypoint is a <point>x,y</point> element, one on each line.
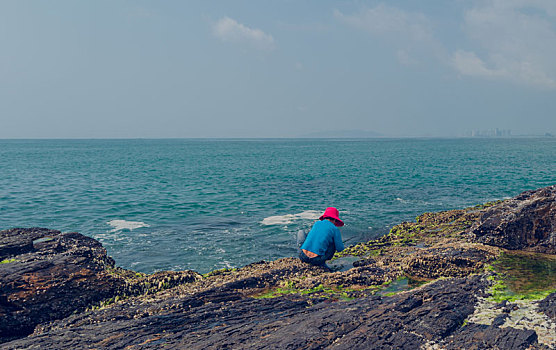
<point>276,138</point>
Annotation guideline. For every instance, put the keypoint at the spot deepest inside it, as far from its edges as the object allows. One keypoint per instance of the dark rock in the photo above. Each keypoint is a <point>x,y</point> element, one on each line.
<point>16,241</point>
<point>51,275</point>
<point>409,304</point>
<point>500,320</point>
<point>364,262</point>
<point>525,222</point>
<point>548,306</point>
<point>477,336</point>
<point>220,320</point>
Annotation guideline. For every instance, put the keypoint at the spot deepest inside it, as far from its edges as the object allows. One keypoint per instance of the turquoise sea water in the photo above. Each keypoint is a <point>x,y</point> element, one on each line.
<point>207,204</point>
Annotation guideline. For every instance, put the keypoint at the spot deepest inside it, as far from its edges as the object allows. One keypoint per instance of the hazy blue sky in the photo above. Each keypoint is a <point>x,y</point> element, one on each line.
<point>95,69</point>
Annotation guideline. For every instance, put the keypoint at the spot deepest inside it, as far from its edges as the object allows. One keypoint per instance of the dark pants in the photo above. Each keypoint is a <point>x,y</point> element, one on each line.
<point>319,260</point>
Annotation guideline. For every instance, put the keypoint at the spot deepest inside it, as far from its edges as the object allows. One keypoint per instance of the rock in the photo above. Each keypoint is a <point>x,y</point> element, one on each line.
<point>501,305</point>
<point>548,306</point>
<point>364,262</point>
<point>49,275</point>
<point>18,241</point>
<point>477,336</point>
<point>500,320</point>
<point>525,222</point>
<point>404,321</point>
<point>446,262</point>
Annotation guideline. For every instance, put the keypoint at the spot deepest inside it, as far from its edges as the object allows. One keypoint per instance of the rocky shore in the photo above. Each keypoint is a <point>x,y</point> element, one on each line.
<point>475,278</point>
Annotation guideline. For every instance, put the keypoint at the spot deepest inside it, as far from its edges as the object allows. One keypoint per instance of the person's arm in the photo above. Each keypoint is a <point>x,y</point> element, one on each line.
<point>338,240</point>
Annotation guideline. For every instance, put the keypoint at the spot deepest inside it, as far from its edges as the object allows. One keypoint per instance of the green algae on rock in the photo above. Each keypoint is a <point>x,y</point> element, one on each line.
<point>434,246</point>
<point>7,261</point>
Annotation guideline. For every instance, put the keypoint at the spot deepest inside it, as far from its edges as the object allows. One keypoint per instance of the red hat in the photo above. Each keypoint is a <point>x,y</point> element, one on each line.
<point>332,213</point>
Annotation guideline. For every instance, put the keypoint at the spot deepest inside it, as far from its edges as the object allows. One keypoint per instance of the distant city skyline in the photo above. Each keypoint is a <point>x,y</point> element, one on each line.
<point>491,133</point>
<point>244,69</point>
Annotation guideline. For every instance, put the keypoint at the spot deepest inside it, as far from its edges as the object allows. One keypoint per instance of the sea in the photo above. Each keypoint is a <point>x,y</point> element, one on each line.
<point>205,204</point>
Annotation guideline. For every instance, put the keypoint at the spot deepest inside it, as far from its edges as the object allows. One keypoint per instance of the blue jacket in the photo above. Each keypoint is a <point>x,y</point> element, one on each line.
<point>323,234</point>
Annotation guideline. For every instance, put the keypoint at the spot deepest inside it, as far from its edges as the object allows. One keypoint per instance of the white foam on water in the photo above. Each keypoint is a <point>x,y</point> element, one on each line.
<point>290,218</point>
<point>119,225</point>
<point>414,201</point>
<point>227,264</point>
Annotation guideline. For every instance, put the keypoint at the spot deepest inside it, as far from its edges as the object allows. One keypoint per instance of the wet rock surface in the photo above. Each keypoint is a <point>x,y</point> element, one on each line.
<point>478,336</point>
<point>526,222</point>
<point>427,284</point>
<point>548,306</point>
<point>48,275</point>
<point>225,320</point>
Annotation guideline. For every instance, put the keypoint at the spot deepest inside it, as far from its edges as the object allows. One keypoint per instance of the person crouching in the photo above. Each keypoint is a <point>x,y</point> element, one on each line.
<point>323,240</point>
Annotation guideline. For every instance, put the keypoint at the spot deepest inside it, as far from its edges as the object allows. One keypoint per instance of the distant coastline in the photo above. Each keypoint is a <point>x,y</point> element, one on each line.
<point>342,134</point>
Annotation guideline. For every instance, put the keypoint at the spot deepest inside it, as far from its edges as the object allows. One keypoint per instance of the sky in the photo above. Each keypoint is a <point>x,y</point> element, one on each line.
<point>257,69</point>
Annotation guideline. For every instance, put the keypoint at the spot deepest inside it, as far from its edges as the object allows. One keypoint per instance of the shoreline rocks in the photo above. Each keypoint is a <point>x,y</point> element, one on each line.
<point>48,275</point>
<point>525,222</point>
<point>427,284</point>
<point>51,275</point>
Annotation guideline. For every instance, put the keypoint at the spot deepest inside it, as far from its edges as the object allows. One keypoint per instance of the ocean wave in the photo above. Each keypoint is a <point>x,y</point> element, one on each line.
<point>119,225</point>
<point>289,218</point>
<point>413,201</point>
